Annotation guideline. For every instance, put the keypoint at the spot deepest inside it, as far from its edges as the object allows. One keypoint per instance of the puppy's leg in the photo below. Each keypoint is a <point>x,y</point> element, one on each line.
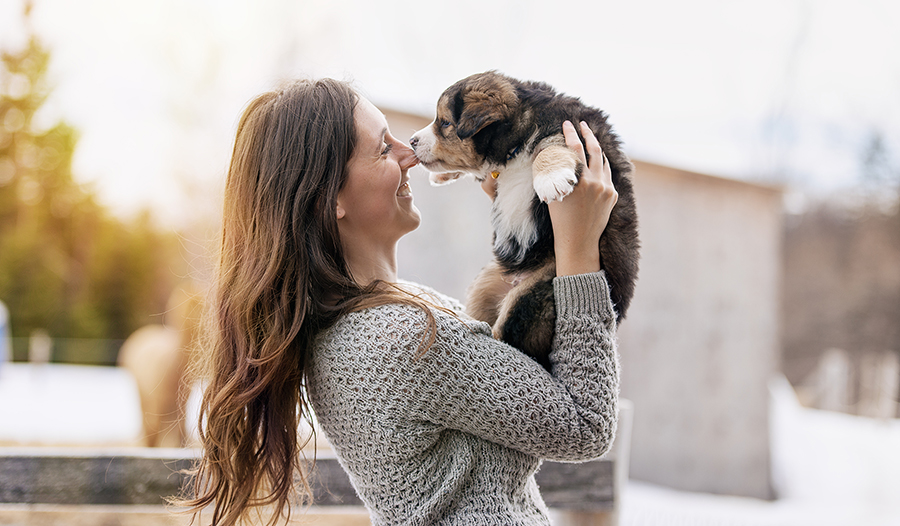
<point>555,172</point>
<point>527,317</point>
<point>486,292</point>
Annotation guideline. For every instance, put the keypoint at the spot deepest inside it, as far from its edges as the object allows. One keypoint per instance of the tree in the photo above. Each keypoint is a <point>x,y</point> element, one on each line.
<point>879,169</point>
<point>66,265</point>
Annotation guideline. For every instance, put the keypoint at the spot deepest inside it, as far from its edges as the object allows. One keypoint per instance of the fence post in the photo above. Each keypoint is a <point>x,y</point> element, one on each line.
<point>879,380</point>
<point>5,336</point>
<point>832,381</point>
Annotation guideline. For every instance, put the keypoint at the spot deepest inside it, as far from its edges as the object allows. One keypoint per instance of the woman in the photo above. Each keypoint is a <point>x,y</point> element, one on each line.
<point>434,421</point>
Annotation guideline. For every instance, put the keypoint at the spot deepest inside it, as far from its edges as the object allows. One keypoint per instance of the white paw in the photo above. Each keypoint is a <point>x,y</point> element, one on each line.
<point>555,185</point>
<point>442,178</point>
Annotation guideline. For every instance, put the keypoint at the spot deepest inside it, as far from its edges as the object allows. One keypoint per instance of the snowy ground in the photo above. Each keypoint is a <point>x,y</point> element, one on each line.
<point>829,469</point>
<point>54,404</point>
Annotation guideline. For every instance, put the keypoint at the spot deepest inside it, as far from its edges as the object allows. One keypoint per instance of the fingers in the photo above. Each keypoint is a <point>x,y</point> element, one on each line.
<point>572,140</point>
<point>593,146</point>
<point>606,174</point>
<point>489,185</point>
<point>599,166</point>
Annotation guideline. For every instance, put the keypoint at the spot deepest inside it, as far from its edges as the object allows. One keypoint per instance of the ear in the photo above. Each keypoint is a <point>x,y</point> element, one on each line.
<point>487,98</point>
<point>339,211</point>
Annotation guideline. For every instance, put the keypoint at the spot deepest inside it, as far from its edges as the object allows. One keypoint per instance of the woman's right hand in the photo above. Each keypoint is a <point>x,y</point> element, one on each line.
<point>581,217</point>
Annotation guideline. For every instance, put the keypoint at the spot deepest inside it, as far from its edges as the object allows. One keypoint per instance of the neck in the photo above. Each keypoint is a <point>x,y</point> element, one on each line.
<point>368,263</point>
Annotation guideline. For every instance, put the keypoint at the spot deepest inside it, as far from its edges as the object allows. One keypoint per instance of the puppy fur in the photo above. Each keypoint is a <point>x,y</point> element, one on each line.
<point>489,125</point>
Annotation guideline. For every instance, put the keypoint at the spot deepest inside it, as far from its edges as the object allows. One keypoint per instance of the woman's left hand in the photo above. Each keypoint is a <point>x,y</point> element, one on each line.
<point>489,185</point>
<point>581,217</point>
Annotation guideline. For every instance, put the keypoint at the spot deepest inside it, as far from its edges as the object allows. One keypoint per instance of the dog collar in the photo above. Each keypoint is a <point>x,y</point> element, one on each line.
<point>496,173</point>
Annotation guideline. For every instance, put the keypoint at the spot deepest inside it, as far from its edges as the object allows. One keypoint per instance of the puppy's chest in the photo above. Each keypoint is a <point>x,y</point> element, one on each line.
<point>512,215</point>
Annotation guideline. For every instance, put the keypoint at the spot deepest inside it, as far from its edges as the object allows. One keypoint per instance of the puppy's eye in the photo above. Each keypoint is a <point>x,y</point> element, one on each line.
<point>444,123</point>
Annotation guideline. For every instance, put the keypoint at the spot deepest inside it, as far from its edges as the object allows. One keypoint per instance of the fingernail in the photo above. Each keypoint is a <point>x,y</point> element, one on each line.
<point>585,124</point>
<point>569,124</point>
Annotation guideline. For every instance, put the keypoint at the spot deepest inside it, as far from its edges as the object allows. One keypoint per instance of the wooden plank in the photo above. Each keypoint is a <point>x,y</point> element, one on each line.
<point>73,476</point>
<point>144,476</point>
<point>583,486</point>
<point>128,515</point>
<point>37,477</point>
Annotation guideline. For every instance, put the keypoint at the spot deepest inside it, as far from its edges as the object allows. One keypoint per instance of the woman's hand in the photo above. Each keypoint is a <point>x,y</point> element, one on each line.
<point>489,185</point>
<point>580,218</point>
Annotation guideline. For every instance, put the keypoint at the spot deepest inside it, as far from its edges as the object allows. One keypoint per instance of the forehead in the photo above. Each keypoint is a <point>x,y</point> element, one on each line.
<point>370,122</point>
<point>444,107</point>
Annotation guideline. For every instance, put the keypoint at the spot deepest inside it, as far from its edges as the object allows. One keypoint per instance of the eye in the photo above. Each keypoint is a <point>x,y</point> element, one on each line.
<point>444,123</point>
<point>387,149</point>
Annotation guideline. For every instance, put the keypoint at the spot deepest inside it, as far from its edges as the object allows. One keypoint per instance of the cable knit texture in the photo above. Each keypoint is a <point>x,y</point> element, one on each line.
<point>454,436</point>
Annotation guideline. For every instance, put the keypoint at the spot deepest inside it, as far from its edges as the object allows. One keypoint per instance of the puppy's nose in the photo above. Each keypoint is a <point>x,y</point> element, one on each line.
<point>414,142</point>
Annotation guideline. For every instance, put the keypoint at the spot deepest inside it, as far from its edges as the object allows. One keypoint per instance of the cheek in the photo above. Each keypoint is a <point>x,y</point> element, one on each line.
<point>357,195</point>
<point>459,153</point>
<point>377,190</point>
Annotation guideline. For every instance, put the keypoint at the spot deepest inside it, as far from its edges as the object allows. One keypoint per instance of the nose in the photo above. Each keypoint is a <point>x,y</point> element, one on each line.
<point>406,157</point>
<point>414,141</point>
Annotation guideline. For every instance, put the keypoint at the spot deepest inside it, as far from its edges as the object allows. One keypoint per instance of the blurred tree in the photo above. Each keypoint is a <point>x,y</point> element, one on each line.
<point>878,167</point>
<point>66,265</point>
<point>841,286</point>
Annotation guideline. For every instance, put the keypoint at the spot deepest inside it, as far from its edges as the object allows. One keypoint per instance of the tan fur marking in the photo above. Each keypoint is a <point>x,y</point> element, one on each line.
<point>548,271</point>
<point>554,172</point>
<point>443,113</point>
<point>554,158</point>
<point>486,292</point>
<point>455,154</point>
<point>448,149</point>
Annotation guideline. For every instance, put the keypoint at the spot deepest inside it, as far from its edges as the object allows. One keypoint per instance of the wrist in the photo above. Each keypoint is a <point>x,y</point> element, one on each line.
<point>572,262</point>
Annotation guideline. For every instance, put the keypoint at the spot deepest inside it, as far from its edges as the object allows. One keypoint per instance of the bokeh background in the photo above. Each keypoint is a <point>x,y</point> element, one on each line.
<point>762,348</point>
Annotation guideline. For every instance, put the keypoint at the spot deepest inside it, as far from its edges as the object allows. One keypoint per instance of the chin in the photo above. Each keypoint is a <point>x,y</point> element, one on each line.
<point>415,219</point>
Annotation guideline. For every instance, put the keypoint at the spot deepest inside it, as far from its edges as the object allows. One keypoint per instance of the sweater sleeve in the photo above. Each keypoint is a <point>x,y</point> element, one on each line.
<point>473,383</point>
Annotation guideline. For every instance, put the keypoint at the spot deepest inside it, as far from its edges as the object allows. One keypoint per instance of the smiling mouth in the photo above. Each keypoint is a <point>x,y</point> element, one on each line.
<point>404,190</point>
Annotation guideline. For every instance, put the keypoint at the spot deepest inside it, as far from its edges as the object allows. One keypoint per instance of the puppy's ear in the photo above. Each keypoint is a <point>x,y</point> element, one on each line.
<point>486,99</point>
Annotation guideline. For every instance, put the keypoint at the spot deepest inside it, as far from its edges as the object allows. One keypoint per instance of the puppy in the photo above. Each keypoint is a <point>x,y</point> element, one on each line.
<point>491,125</point>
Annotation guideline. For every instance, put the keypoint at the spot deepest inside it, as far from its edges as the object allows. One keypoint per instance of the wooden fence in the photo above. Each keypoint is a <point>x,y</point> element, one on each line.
<point>49,486</point>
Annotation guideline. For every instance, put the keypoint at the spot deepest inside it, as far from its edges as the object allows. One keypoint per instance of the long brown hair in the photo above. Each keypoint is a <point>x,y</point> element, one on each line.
<point>281,278</point>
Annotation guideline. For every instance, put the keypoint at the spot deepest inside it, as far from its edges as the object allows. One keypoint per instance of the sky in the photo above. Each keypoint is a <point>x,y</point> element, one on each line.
<point>771,91</point>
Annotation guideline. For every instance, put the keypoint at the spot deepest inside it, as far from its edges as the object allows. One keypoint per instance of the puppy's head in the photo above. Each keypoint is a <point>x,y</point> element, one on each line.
<point>456,142</point>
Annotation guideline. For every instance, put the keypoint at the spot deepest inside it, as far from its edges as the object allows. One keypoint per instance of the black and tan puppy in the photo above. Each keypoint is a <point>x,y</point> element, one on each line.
<point>491,125</point>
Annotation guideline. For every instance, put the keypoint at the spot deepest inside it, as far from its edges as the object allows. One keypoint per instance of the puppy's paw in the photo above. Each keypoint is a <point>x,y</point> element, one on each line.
<point>554,185</point>
<point>442,178</point>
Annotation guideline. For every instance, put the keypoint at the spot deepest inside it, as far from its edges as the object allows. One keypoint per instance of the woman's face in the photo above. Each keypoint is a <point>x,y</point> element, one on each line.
<point>376,203</point>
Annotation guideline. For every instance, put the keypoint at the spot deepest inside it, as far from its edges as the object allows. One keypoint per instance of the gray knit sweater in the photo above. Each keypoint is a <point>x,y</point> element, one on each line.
<point>456,435</point>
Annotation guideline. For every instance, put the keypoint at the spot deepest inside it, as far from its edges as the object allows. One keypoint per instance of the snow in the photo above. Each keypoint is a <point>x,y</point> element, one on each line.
<point>827,456</point>
<point>56,404</point>
<point>829,469</point>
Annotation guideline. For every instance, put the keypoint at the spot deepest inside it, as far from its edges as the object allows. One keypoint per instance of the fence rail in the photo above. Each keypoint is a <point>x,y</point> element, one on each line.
<point>585,493</point>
